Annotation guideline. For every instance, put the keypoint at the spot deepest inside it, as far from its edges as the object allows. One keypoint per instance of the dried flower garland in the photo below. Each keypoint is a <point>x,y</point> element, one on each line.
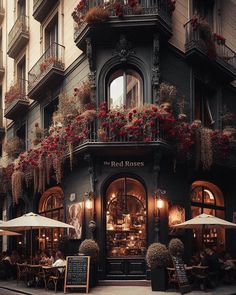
<point>17,182</point>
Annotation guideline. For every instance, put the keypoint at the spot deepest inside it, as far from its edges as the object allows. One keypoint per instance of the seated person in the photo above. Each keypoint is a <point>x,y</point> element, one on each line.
<point>60,260</point>
<point>45,258</point>
<point>203,259</point>
<point>213,267</point>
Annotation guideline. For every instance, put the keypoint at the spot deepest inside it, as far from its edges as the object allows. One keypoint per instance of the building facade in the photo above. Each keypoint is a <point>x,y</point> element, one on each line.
<point>118,117</point>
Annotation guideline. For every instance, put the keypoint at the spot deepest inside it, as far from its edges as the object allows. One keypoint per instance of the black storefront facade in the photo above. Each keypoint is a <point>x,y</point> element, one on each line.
<point>114,186</point>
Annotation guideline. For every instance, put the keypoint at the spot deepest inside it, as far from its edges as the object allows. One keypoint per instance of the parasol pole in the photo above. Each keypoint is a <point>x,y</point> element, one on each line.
<point>203,230</point>
<point>31,245</point>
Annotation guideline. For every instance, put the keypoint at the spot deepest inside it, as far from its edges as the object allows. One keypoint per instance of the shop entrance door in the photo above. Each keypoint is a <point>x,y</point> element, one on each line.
<point>126,234</point>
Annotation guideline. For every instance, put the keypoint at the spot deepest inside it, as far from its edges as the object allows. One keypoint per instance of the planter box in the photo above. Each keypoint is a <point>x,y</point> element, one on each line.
<point>158,279</point>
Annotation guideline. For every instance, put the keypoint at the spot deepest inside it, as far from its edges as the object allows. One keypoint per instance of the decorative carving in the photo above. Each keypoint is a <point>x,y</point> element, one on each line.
<point>92,79</point>
<point>91,172</point>
<point>156,67</point>
<point>92,74</point>
<point>92,227</point>
<point>156,167</point>
<point>123,49</point>
<point>89,53</point>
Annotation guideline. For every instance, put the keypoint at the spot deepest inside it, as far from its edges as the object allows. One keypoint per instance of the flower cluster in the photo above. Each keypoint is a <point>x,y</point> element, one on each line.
<point>47,62</point>
<point>219,39</point>
<point>13,94</point>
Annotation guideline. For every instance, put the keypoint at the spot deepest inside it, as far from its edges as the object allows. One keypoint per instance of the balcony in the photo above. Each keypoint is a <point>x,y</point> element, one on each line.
<point>99,140</point>
<point>147,18</point>
<point>212,52</point>
<point>47,72</point>
<point>41,8</point>
<point>2,12</point>
<point>16,101</point>
<point>18,36</point>
<point>2,69</point>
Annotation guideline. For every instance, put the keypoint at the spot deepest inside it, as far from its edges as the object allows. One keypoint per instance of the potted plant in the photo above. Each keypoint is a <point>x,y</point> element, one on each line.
<point>90,248</point>
<point>158,259</point>
<point>176,247</point>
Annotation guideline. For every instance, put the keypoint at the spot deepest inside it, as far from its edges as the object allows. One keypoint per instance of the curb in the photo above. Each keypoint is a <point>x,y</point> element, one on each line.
<point>16,290</point>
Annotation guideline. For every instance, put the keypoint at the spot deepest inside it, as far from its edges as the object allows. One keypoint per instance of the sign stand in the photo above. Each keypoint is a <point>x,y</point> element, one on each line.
<point>77,272</point>
<point>184,286</point>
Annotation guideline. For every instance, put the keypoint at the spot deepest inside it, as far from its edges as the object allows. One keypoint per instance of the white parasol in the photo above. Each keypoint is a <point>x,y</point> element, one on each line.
<point>32,221</point>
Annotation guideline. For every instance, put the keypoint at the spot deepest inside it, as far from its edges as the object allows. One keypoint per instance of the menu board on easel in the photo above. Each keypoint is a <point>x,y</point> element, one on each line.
<point>184,286</point>
<point>77,272</point>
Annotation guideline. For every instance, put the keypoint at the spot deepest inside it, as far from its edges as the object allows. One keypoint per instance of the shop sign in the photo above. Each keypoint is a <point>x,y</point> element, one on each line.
<point>124,164</point>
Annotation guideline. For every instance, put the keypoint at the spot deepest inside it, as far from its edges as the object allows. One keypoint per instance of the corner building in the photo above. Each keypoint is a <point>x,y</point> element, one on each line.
<point>111,192</point>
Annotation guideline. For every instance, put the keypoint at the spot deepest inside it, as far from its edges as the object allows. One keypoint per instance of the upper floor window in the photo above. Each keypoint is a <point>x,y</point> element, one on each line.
<point>125,89</point>
<point>21,134</point>
<point>51,32</point>
<point>205,9</point>
<point>21,75</point>
<point>203,97</point>
<point>49,110</point>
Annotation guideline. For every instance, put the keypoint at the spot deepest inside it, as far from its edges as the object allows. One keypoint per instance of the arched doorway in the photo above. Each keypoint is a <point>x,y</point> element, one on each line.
<point>51,206</point>
<point>126,228</point>
<point>207,198</point>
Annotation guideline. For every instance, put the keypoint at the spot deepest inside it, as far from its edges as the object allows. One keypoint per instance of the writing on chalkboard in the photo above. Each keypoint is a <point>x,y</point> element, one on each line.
<point>77,272</point>
<point>183,282</point>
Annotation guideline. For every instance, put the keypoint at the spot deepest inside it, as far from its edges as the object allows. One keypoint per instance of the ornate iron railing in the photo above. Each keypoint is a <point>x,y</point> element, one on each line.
<point>20,26</point>
<point>53,57</point>
<point>17,92</point>
<point>97,134</point>
<point>223,53</point>
<point>147,7</point>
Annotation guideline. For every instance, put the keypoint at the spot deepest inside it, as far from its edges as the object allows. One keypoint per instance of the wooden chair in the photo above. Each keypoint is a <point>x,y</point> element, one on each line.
<point>22,272</point>
<point>55,275</point>
<point>201,276</point>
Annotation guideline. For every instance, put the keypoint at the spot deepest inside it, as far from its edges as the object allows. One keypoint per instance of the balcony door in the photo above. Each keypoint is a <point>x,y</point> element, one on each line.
<point>51,32</point>
<point>126,229</point>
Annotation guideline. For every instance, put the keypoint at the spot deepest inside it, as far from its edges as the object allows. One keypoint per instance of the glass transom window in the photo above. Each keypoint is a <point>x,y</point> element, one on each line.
<point>125,89</point>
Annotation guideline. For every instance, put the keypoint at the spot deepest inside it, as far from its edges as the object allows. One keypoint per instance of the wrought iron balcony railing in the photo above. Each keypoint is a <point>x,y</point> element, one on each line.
<point>214,48</point>
<point>98,135</point>
<point>52,59</point>
<point>158,8</point>
<point>18,36</point>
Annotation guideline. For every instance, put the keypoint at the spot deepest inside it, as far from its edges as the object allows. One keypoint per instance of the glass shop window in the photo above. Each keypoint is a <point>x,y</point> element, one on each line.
<point>203,96</point>
<point>205,200</point>
<point>125,88</point>
<point>126,218</point>
<point>51,206</point>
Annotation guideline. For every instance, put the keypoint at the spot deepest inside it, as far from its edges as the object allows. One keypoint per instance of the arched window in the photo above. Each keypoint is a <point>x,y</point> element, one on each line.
<point>207,198</point>
<point>125,88</point>
<point>51,206</point>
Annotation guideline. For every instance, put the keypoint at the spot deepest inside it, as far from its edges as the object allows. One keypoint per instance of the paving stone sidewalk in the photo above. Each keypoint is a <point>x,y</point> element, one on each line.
<point>12,288</point>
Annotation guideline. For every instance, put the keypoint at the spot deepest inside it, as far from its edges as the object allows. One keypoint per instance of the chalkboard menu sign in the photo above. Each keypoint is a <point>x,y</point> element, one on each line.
<point>77,272</point>
<point>181,275</point>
